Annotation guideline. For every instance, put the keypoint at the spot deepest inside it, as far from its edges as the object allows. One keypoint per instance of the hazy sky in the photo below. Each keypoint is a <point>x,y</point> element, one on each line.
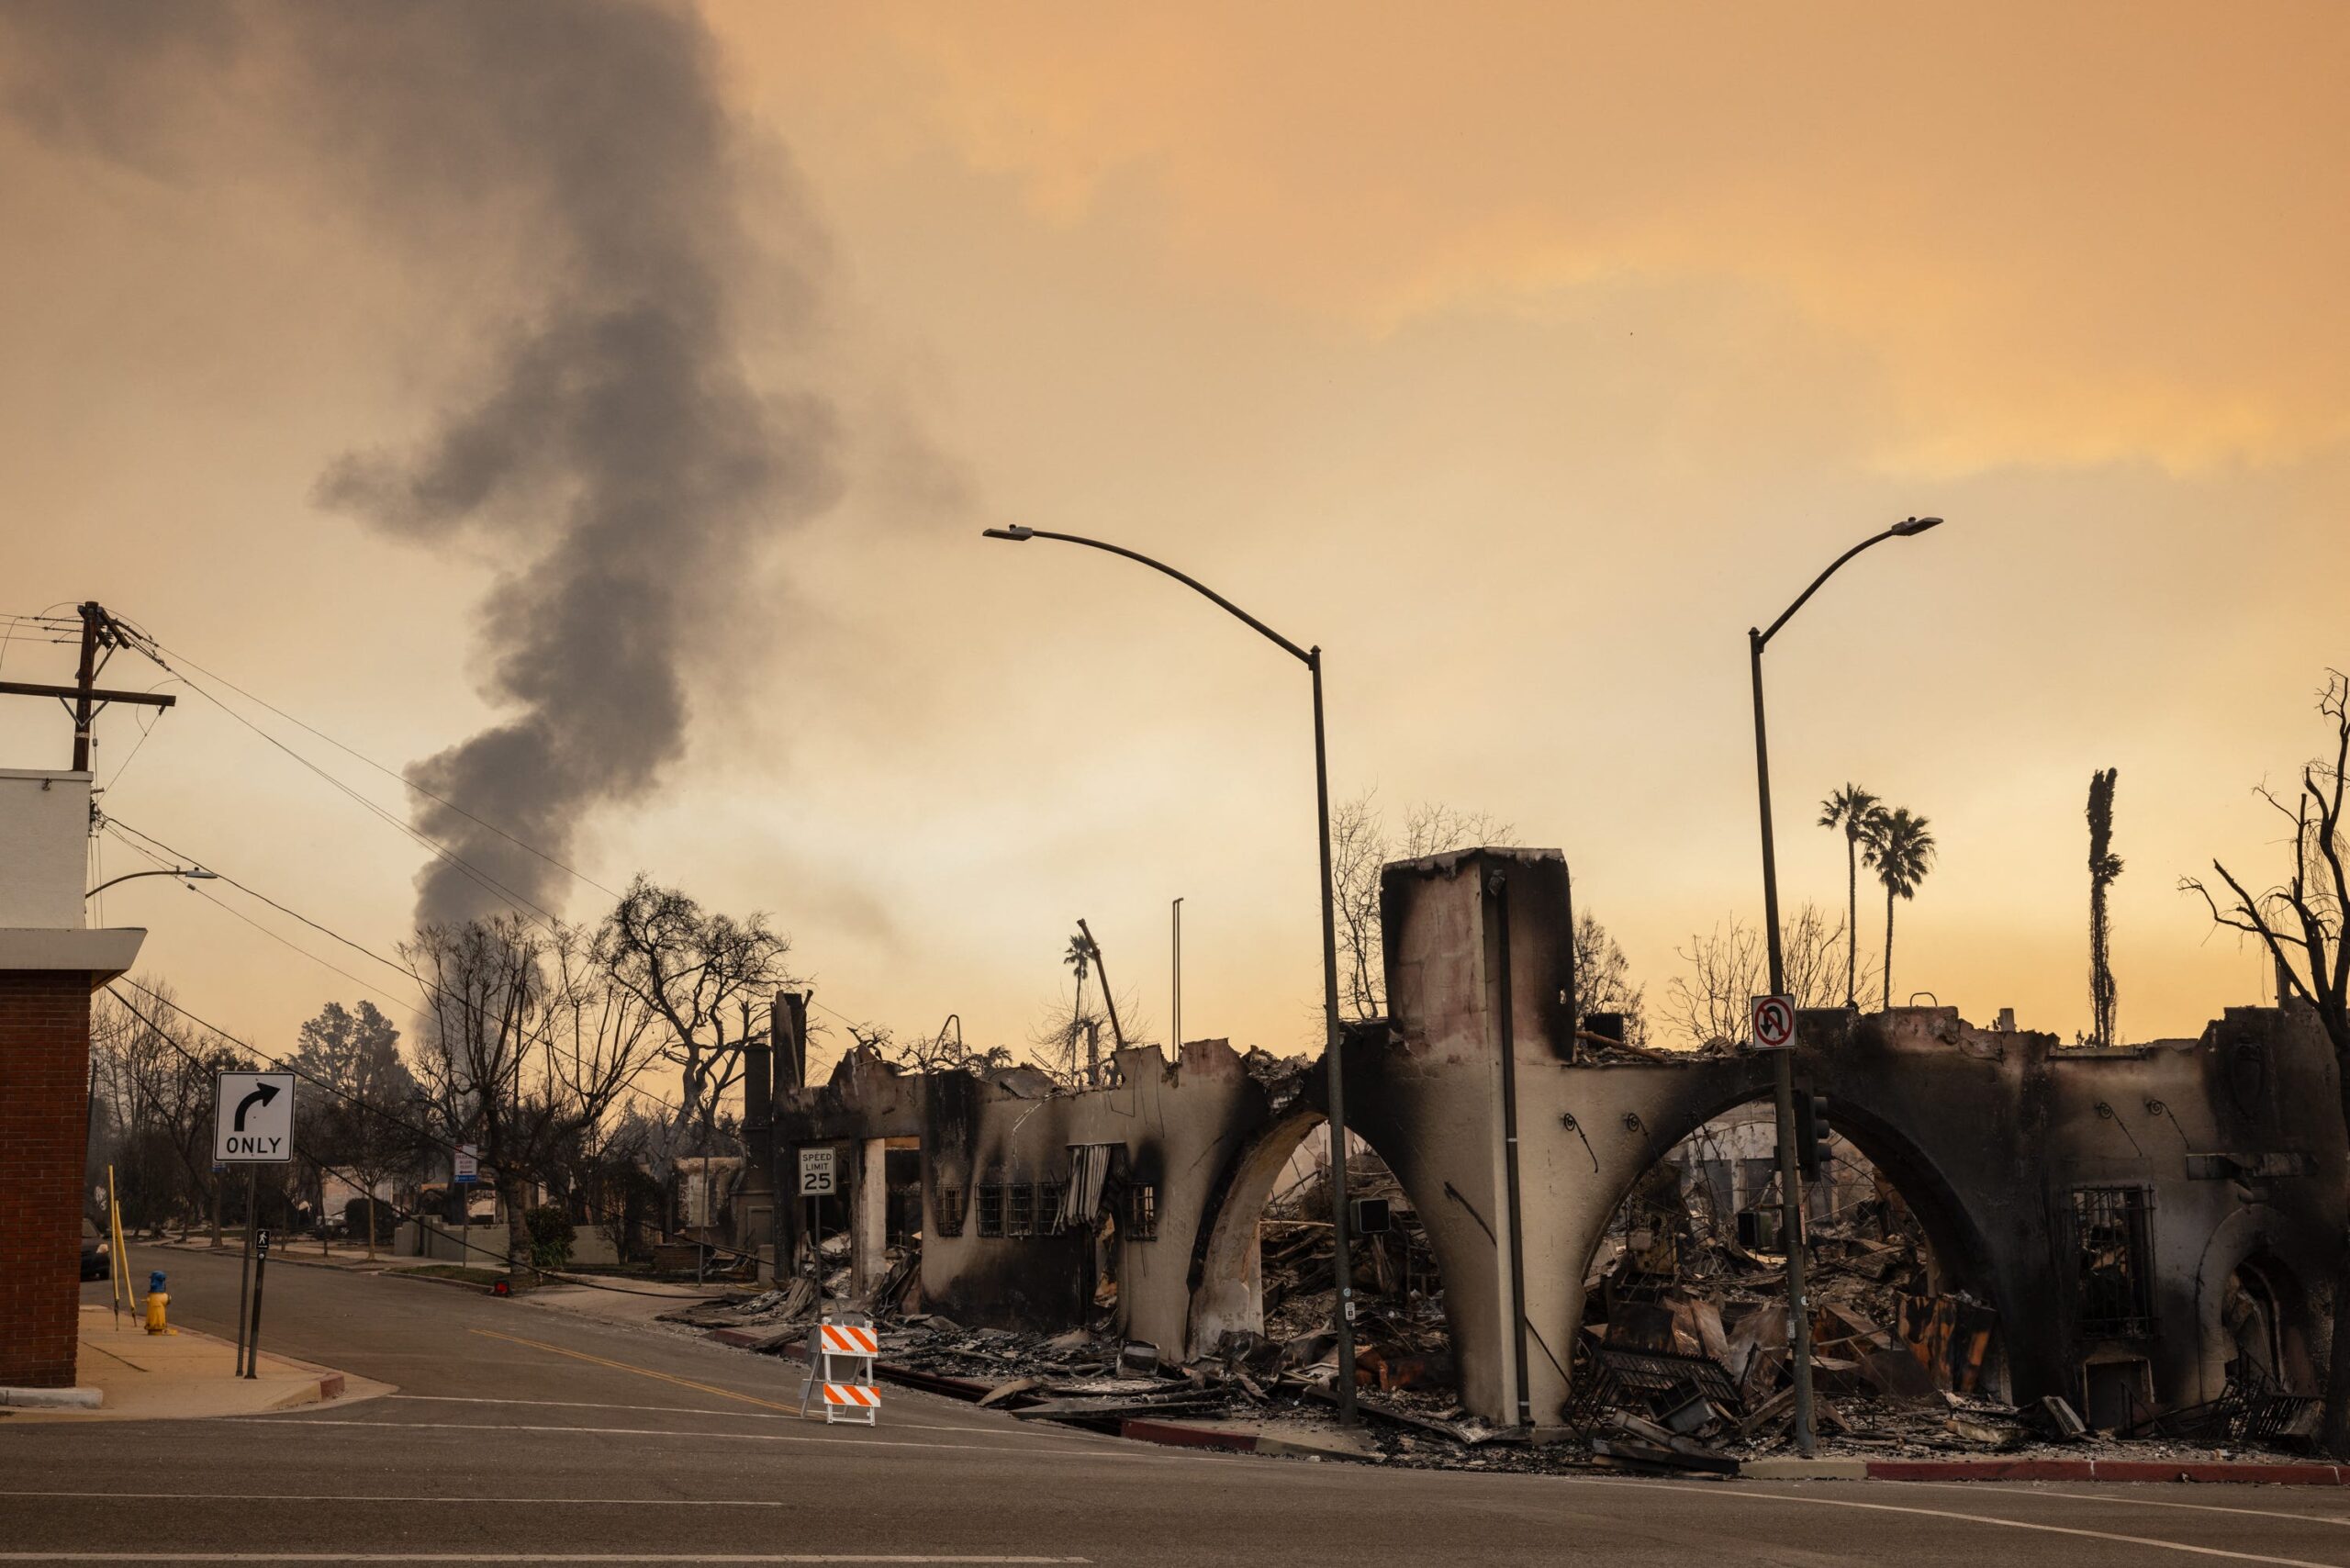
<point>1520,356</point>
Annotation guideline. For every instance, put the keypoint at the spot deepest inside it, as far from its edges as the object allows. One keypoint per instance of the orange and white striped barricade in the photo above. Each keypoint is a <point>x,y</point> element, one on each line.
<point>839,1371</point>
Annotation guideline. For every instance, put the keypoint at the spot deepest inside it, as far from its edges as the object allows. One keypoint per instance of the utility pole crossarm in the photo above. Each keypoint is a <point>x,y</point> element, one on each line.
<point>95,694</point>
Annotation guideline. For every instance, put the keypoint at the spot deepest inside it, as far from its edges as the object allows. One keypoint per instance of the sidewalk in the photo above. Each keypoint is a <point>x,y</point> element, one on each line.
<point>139,1376</point>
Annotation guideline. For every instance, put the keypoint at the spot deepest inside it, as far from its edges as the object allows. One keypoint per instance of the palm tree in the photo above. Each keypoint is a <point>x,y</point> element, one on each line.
<point>1079,958</point>
<point>2104,867</point>
<point>1855,810</point>
<point>1901,851</point>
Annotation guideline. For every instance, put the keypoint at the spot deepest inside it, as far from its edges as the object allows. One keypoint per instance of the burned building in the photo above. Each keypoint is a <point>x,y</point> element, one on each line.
<point>2132,1228</point>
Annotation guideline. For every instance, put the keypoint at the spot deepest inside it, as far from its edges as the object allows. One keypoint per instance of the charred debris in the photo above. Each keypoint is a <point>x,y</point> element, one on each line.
<point>2012,1243</point>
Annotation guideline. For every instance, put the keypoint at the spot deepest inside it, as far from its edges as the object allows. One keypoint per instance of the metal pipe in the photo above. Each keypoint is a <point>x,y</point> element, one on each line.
<point>1507,1011</point>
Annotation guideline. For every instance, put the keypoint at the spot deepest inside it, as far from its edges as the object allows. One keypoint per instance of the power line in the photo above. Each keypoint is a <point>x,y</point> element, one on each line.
<point>155,648</point>
<point>480,878</point>
<point>285,1065</point>
<point>428,987</point>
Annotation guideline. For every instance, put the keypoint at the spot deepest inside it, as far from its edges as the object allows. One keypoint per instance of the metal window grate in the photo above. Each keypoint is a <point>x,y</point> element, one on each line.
<point>1020,1210</point>
<point>1049,1207</point>
<point>2114,1248</point>
<point>1144,1212</point>
<point>950,1211</point>
<point>991,1210</point>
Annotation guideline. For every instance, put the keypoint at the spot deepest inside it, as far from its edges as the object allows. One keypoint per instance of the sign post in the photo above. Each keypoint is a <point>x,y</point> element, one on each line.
<point>252,1125</point>
<point>819,1180</point>
<point>253,1343</point>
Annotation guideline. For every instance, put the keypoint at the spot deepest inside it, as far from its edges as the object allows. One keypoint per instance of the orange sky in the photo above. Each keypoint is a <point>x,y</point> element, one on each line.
<point>1520,356</point>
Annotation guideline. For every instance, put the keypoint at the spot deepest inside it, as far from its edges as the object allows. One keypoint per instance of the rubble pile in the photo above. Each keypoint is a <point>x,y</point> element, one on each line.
<point>1682,1364</point>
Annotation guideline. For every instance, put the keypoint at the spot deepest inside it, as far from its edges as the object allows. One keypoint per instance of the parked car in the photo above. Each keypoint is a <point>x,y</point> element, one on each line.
<point>95,1262</point>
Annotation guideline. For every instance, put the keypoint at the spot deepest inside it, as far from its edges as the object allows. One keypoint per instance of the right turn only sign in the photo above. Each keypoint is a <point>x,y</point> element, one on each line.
<point>1775,1021</point>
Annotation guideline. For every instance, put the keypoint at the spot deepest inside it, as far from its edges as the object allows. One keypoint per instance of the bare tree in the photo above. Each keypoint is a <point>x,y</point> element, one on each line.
<point>150,1076</point>
<point>527,1043</point>
<point>693,969</point>
<point>1709,1005</point>
<point>2104,867</point>
<point>1603,980</point>
<point>1066,1042</point>
<point>2299,921</point>
<point>941,1052</point>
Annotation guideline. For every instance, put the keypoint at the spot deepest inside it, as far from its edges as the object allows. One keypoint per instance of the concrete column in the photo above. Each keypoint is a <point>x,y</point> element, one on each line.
<point>868,1217</point>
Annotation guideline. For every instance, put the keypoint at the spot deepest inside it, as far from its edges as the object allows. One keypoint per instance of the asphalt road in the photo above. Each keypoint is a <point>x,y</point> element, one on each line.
<point>524,1435</point>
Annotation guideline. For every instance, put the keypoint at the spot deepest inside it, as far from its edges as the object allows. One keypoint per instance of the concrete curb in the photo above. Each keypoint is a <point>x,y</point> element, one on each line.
<point>1172,1436</point>
<point>52,1398</point>
<point>2237,1473</point>
<point>1804,1470</point>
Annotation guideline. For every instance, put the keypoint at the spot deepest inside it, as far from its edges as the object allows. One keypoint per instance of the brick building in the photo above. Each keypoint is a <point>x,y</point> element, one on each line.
<point>50,961</point>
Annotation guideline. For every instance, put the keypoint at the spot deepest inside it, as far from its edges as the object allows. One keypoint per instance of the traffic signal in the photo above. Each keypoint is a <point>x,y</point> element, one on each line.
<point>1811,1130</point>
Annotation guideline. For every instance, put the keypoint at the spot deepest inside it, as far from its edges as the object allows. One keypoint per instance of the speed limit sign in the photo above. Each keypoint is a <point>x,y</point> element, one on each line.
<point>1774,1023</point>
<point>816,1175</point>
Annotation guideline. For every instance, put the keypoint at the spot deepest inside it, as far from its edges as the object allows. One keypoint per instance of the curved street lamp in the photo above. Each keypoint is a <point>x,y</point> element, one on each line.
<point>189,872</point>
<point>1784,1068</point>
<point>1342,1255</point>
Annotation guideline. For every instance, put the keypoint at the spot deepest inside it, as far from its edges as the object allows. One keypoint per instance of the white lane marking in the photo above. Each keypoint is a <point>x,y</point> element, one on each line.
<point>972,1429</point>
<point>2123,1500</point>
<point>411,1497</point>
<point>662,1433</point>
<point>184,1556</point>
<point>1750,1490</point>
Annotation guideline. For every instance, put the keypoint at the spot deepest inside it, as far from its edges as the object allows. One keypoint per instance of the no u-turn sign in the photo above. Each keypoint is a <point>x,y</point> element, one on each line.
<point>252,1118</point>
<point>1775,1021</point>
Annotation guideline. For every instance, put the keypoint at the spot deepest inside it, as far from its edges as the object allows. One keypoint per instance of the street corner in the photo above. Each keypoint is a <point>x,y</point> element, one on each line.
<point>130,1374</point>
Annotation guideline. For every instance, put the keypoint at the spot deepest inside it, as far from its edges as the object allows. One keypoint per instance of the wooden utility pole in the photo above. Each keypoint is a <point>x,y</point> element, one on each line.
<point>85,696</point>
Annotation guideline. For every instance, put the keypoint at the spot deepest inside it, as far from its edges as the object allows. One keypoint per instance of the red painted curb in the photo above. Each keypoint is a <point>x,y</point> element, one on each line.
<point>1187,1437</point>
<point>2109,1469</point>
<point>331,1386</point>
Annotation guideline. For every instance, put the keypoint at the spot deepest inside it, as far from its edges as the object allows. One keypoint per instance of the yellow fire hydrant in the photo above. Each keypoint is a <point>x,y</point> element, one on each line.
<point>157,1300</point>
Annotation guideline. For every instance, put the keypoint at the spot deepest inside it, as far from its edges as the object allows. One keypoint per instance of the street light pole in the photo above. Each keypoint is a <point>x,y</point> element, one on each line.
<point>1783,1071</point>
<point>189,873</point>
<point>1333,1068</point>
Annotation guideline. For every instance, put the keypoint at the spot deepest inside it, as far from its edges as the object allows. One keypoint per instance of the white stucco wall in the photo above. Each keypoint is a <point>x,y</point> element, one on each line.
<point>44,838</point>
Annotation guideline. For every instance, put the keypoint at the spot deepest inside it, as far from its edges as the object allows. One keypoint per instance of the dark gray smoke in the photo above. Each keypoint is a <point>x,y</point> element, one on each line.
<point>613,452</point>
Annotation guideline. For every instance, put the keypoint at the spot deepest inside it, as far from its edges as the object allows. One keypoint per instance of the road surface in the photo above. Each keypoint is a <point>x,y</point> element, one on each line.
<point>526,1435</point>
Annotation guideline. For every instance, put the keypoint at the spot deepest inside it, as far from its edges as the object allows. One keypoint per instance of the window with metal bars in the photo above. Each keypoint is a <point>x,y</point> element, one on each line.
<point>1019,1209</point>
<point>950,1211</point>
<point>1048,1208</point>
<point>991,1210</point>
<point>2113,1237</point>
<point>1143,1213</point>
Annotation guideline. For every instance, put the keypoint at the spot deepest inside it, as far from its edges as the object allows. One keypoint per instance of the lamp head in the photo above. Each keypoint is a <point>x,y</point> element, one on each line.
<point>1909,526</point>
<point>201,876</point>
<point>1015,533</point>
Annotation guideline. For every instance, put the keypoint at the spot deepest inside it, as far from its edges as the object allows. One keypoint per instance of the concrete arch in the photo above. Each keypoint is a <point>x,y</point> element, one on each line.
<point>1959,1253</point>
<point>2244,1242</point>
<point>1228,1290</point>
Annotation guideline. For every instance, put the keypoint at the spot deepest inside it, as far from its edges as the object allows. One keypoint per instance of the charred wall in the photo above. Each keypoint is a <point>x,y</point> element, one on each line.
<point>1999,1140</point>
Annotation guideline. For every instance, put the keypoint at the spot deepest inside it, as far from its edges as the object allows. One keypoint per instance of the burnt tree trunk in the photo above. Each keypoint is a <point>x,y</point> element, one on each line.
<point>2334,1435</point>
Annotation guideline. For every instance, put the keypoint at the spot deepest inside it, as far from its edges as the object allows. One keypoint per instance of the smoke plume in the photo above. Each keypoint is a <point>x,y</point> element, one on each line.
<point>610,452</point>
